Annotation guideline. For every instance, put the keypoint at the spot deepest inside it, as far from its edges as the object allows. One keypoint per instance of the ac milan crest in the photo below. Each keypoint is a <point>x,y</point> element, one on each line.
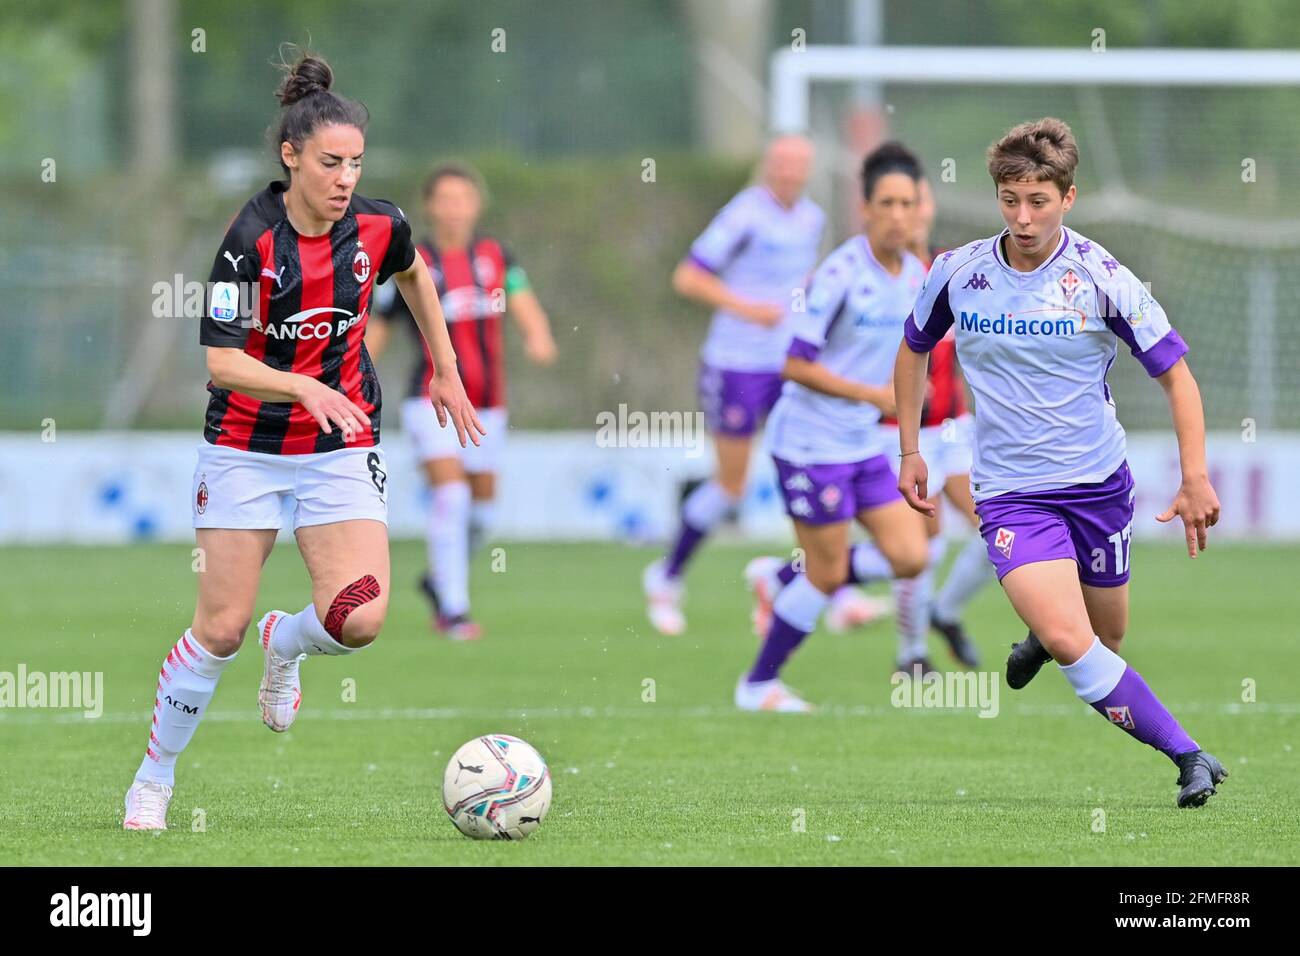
<point>201,498</point>
<point>361,266</point>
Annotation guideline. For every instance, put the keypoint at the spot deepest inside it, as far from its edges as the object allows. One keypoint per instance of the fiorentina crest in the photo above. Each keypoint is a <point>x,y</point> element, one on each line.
<point>1003,541</point>
<point>1121,716</point>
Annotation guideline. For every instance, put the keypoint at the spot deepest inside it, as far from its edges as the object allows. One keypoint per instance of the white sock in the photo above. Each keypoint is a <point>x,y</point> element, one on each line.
<point>911,613</point>
<point>448,540</point>
<point>938,548</point>
<point>800,604</point>
<point>868,563</point>
<point>303,633</point>
<point>706,505</point>
<point>1095,674</point>
<point>185,686</point>
<point>971,571</point>
<point>482,522</point>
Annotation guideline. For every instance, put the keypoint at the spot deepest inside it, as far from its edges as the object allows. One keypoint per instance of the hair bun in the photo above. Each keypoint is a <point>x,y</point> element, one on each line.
<point>310,74</point>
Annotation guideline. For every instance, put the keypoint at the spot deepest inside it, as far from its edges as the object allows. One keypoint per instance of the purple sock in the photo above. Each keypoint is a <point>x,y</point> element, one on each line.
<point>782,639</point>
<point>688,539</point>
<point>786,574</point>
<point>1134,707</point>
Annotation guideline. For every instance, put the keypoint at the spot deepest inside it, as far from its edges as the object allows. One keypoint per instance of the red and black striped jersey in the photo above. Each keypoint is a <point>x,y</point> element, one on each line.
<point>945,397</point>
<point>472,287</point>
<point>299,304</point>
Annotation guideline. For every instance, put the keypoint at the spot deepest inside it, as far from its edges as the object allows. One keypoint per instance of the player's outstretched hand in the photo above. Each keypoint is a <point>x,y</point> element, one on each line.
<point>447,393</point>
<point>331,407</point>
<point>913,482</point>
<point>540,349</point>
<point>1198,506</point>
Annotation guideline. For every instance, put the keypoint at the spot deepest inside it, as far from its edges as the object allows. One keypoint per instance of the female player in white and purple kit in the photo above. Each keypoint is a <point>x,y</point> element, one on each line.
<point>829,452</point>
<point>1039,311</point>
<point>747,264</point>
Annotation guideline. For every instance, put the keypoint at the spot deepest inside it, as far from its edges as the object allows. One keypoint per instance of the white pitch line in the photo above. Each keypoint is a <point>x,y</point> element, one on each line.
<point>141,717</point>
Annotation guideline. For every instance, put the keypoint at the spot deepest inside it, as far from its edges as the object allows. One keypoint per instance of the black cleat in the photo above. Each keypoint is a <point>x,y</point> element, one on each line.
<point>1198,772</point>
<point>1025,660</point>
<point>425,584</point>
<point>959,642</point>
<point>916,668</point>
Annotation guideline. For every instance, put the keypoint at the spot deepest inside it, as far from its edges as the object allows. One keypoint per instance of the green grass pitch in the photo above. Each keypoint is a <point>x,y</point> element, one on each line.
<point>682,779</point>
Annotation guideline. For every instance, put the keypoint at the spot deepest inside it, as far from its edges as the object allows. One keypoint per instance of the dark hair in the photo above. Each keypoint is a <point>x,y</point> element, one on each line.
<point>1038,151</point>
<point>891,157</point>
<point>308,104</point>
<point>452,170</point>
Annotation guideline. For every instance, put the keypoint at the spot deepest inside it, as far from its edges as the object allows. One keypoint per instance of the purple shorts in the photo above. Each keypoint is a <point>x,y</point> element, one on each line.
<point>735,403</point>
<point>827,494</point>
<point>1089,523</point>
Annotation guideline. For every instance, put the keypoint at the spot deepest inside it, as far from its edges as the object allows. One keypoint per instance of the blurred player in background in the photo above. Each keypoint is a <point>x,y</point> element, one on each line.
<point>830,454</point>
<point>747,265</point>
<point>477,281</point>
<point>293,415</point>
<point>1042,310</point>
<point>946,430</point>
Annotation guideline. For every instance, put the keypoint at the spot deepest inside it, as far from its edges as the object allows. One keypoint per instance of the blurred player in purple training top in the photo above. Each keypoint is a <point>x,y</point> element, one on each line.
<point>1039,311</point>
<point>748,264</point>
<point>829,450</point>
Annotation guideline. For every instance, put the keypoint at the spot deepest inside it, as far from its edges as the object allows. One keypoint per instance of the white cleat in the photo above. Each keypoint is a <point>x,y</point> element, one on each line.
<point>663,597</point>
<point>850,609</point>
<point>761,579</point>
<point>770,695</point>
<point>281,690</point>
<point>146,806</point>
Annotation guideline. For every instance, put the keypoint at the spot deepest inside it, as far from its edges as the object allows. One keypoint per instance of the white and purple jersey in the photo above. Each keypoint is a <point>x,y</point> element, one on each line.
<point>852,326</point>
<point>1035,348</point>
<point>764,252</point>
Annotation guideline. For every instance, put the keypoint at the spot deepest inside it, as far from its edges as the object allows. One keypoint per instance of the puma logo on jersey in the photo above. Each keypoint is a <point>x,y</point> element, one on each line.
<point>234,260</point>
<point>277,276</point>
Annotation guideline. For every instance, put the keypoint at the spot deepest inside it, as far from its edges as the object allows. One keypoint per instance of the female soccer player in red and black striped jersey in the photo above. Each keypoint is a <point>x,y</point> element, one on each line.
<point>477,281</point>
<point>293,421</point>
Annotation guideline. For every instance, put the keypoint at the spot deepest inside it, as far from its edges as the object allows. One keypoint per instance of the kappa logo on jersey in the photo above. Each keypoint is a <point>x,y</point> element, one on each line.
<point>799,481</point>
<point>1070,283</point>
<point>225,301</point>
<point>1083,248</point>
<point>978,281</point>
<point>830,497</point>
<point>234,260</point>
<point>360,266</point>
<point>1111,265</point>
<point>201,498</point>
<point>1121,717</point>
<point>299,326</point>
<point>277,276</point>
<point>1003,541</point>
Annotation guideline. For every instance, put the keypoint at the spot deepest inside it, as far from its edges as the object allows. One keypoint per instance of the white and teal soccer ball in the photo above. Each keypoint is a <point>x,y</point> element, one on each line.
<point>496,787</point>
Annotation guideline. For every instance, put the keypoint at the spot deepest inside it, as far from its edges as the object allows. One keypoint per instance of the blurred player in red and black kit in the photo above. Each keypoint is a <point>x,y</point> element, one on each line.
<point>946,433</point>
<point>477,281</point>
<point>293,417</point>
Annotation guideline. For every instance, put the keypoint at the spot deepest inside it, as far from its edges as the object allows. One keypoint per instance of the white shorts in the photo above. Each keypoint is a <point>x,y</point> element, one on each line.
<point>432,441</point>
<point>946,449</point>
<point>249,489</point>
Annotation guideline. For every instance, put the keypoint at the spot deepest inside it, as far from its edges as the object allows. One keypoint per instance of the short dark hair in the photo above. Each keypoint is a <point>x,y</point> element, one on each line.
<point>891,157</point>
<point>1038,151</point>
<point>308,103</point>
<point>452,170</point>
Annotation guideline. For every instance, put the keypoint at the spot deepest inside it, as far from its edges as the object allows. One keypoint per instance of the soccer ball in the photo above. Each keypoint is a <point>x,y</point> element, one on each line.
<point>496,787</point>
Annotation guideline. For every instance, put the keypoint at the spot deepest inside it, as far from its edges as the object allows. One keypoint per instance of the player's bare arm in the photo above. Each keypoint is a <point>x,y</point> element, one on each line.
<point>909,394</point>
<point>527,311</point>
<point>819,378</point>
<point>235,369</point>
<point>700,285</point>
<point>1196,503</point>
<point>446,390</point>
